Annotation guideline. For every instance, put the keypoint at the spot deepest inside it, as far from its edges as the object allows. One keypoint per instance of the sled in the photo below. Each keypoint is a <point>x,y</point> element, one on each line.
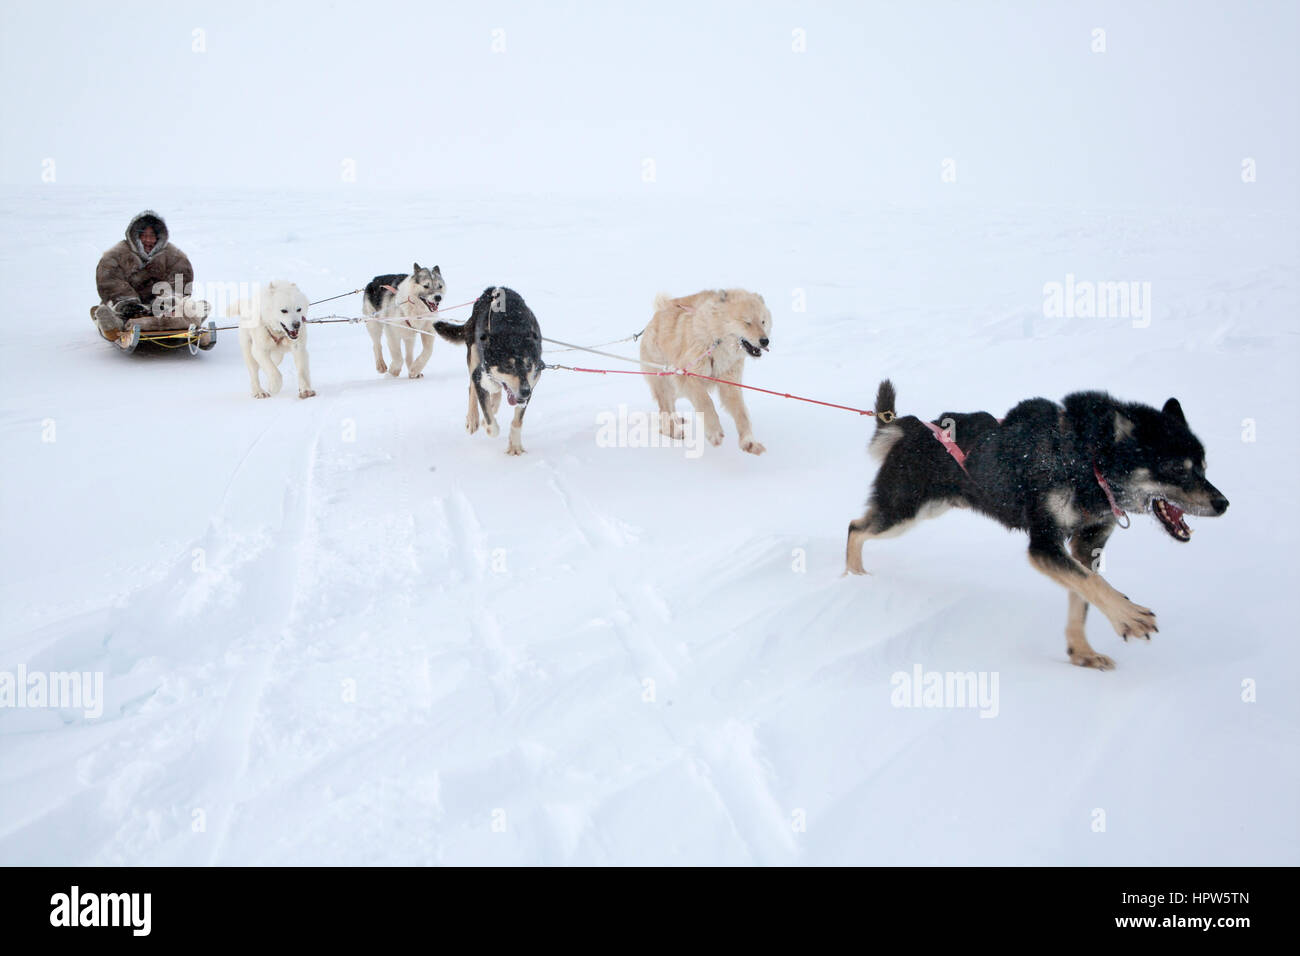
<point>128,340</point>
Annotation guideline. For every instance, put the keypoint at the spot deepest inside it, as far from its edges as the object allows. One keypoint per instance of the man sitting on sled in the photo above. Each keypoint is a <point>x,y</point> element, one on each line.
<point>145,281</point>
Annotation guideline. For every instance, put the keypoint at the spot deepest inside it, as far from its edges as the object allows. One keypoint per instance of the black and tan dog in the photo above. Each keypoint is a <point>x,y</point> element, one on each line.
<point>504,346</point>
<point>1060,472</point>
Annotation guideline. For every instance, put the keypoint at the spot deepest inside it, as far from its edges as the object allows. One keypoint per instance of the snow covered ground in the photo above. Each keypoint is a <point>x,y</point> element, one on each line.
<point>342,631</point>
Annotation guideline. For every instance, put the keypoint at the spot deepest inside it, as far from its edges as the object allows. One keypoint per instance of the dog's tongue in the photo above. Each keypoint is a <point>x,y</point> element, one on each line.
<point>1173,511</point>
<point>510,397</point>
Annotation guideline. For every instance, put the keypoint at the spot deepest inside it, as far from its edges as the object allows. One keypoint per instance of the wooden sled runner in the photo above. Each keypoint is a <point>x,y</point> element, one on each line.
<point>129,339</point>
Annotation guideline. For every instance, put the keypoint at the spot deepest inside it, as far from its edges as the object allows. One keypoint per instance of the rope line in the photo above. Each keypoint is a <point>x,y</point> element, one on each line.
<point>341,295</point>
<point>720,381</point>
<point>570,347</point>
<point>332,319</point>
<point>578,348</point>
<point>595,350</point>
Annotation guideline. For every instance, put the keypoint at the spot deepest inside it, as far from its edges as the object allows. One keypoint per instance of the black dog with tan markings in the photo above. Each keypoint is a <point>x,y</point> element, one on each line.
<point>504,352</point>
<point>1063,473</point>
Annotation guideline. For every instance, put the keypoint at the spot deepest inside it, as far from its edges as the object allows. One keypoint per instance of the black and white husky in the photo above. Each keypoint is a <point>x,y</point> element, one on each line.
<point>1062,473</point>
<point>407,304</point>
<point>504,352</point>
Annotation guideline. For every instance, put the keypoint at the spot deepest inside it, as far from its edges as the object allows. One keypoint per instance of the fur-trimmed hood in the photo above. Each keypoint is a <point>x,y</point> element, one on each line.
<point>137,226</point>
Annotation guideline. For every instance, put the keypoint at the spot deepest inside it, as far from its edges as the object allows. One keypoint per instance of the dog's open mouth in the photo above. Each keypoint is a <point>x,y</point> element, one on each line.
<point>510,395</point>
<point>429,304</point>
<point>753,350</point>
<point>1171,516</point>
<point>292,333</point>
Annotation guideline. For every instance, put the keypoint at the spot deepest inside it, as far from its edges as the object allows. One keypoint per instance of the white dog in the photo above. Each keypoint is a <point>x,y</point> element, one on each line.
<point>271,324</point>
<point>709,333</point>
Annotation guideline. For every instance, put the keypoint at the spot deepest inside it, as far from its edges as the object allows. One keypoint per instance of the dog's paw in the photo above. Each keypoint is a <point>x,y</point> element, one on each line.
<point>492,428</point>
<point>1132,620</point>
<point>306,392</point>
<point>1091,658</point>
<point>715,437</point>
<point>751,446</point>
<point>395,371</point>
<point>415,375</point>
<point>672,426</point>
<point>381,368</point>
<point>261,394</point>
<point>514,448</point>
<point>850,569</point>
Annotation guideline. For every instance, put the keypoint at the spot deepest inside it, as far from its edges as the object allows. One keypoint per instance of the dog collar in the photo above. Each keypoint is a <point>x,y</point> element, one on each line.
<point>1121,518</point>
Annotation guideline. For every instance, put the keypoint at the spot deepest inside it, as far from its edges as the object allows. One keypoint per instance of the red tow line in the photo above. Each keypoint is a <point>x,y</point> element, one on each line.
<point>720,381</point>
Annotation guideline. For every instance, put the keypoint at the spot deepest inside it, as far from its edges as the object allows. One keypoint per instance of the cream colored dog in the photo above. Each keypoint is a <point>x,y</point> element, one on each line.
<point>711,333</point>
<point>270,325</point>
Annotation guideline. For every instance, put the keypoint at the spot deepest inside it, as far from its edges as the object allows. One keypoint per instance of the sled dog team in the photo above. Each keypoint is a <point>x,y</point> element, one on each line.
<point>1066,474</point>
<point>711,333</point>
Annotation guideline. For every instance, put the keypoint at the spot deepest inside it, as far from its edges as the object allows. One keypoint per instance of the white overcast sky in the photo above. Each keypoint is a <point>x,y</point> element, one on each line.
<point>711,91</point>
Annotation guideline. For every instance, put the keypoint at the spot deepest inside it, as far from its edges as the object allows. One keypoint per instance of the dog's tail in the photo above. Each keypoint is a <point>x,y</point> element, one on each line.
<point>888,430</point>
<point>450,331</point>
<point>885,398</point>
<point>372,293</point>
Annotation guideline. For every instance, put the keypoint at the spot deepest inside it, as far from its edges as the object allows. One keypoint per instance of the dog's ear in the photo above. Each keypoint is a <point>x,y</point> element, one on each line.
<point>1174,411</point>
<point>415,268</point>
<point>1123,427</point>
<point>437,271</point>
